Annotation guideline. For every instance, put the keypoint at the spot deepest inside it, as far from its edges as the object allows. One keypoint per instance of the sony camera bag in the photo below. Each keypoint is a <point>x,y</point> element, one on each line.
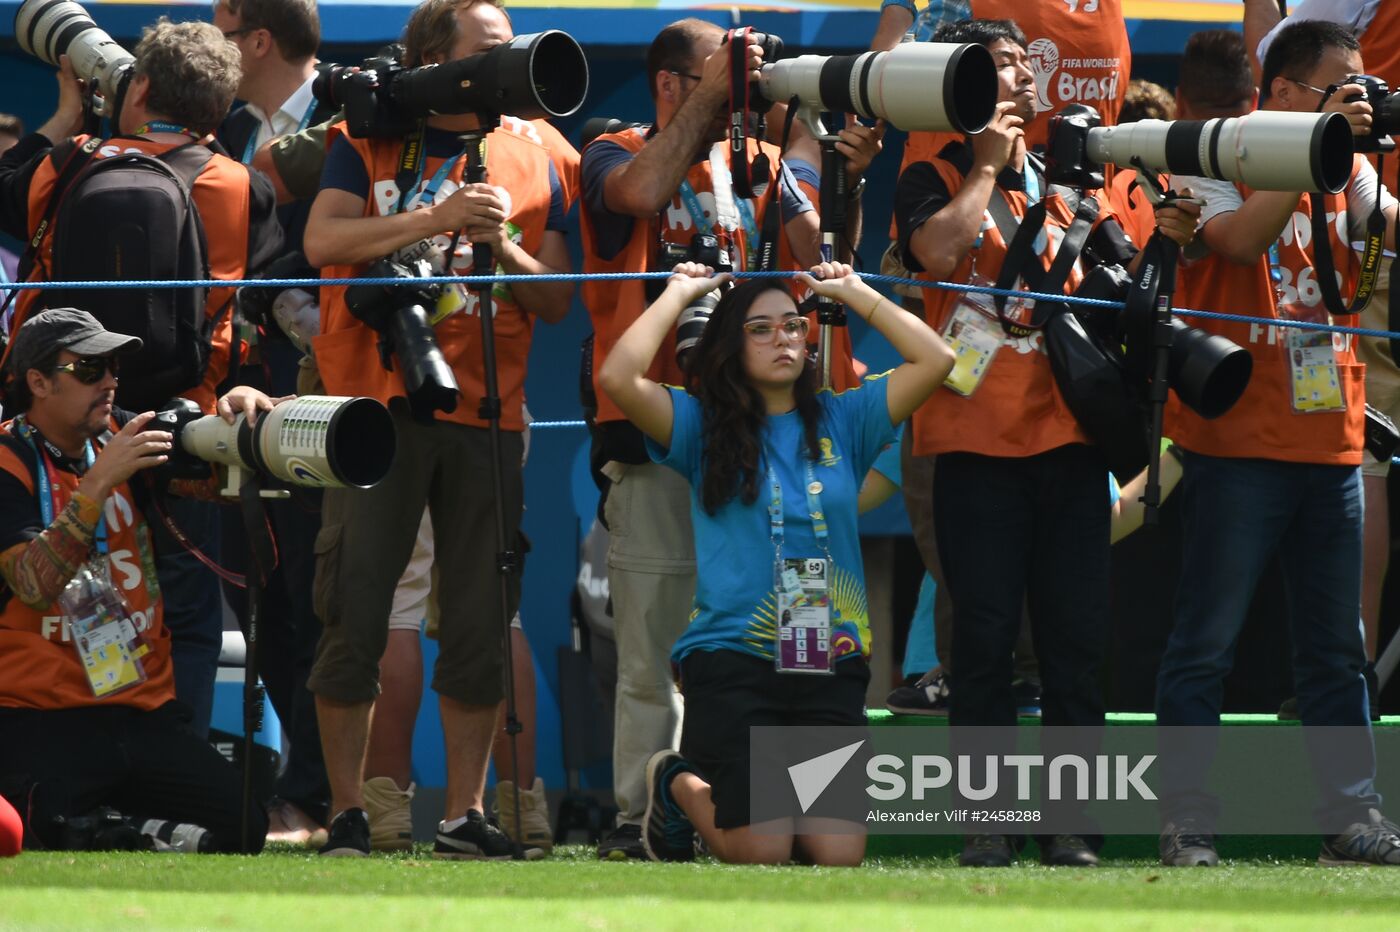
<point>132,217</point>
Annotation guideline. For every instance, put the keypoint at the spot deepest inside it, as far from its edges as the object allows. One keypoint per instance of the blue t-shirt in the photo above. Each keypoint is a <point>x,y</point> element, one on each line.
<point>735,604</point>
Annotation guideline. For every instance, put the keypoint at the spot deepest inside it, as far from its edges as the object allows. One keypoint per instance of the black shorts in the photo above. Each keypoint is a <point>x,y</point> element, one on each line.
<point>728,692</point>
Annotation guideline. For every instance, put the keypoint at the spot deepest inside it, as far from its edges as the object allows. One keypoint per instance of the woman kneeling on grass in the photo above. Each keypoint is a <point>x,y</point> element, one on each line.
<point>765,451</point>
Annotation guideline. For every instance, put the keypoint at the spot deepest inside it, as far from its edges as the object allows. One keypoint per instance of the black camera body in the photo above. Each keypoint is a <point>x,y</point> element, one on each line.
<point>1385,108</point>
<point>772,47</point>
<point>401,317</point>
<point>704,248</point>
<point>1067,160</point>
<point>541,75</point>
<point>364,93</point>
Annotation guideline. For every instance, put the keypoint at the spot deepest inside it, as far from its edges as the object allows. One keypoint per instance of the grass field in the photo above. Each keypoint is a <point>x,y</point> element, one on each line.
<point>295,890</point>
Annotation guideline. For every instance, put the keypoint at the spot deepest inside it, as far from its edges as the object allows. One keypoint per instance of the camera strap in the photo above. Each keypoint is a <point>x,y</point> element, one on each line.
<point>411,157</point>
<point>748,179</point>
<point>1370,259</point>
<point>1022,261</point>
<point>772,215</point>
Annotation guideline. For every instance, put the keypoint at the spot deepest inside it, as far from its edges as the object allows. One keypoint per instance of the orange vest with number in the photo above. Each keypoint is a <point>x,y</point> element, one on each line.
<point>1017,410</point>
<point>614,305</point>
<point>1262,424</point>
<point>347,349</point>
<point>221,193</point>
<point>1079,54</point>
<point>41,667</point>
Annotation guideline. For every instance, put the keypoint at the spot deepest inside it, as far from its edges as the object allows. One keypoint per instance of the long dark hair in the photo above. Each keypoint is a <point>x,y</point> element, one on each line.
<point>733,411</point>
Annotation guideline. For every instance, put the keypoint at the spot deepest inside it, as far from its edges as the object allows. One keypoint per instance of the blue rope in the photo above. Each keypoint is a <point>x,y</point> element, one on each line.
<point>577,277</point>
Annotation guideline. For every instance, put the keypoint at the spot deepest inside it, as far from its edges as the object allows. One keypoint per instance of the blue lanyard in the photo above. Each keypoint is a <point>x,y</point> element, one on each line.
<point>814,511</point>
<point>251,149</point>
<point>161,126</point>
<point>697,215</point>
<point>1032,184</point>
<point>45,484</point>
<point>429,191</point>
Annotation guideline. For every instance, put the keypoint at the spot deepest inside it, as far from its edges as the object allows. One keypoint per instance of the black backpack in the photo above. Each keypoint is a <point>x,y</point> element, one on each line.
<point>132,217</point>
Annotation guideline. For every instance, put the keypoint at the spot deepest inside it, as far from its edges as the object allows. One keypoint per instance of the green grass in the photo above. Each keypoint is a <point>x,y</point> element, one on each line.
<point>295,890</point>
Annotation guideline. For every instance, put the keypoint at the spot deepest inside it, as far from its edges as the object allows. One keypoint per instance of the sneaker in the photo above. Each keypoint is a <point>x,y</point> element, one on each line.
<point>1068,851</point>
<point>287,824</point>
<point>668,834</point>
<point>623,843</point>
<point>985,851</point>
<point>534,814</point>
<point>1027,696</point>
<point>478,839</point>
<point>924,695</point>
<point>1375,841</point>
<point>390,812</point>
<point>1185,845</point>
<point>348,836</point>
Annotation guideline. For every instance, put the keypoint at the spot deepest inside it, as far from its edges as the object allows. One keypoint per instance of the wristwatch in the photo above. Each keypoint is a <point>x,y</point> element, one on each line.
<point>854,193</point>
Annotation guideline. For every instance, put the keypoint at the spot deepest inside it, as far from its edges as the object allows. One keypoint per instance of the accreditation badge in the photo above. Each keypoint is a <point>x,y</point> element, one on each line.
<point>111,651</point>
<point>975,335</point>
<point>1312,363</point>
<point>804,617</point>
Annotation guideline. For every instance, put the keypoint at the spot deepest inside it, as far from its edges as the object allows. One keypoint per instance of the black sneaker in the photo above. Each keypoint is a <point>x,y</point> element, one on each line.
<point>667,833</point>
<point>924,695</point>
<point>1068,851</point>
<point>479,839</point>
<point>1185,845</point>
<point>623,843</point>
<point>1375,841</point>
<point>985,851</point>
<point>348,836</point>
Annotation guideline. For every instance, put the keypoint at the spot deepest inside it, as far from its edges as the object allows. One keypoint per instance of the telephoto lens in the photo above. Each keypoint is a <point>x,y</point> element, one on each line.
<point>542,75</point>
<point>930,86</point>
<point>47,29</point>
<point>1268,150</point>
<point>690,327</point>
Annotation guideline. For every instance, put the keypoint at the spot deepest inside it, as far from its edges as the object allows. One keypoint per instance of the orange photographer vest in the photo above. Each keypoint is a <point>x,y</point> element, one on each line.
<point>1017,409</point>
<point>1380,52</point>
<point>41,666</point>
<point>347,350</point>
<point>1079,54</point>
<point>221,193</point>
<point>1262,424</point>
<point>614,305</point>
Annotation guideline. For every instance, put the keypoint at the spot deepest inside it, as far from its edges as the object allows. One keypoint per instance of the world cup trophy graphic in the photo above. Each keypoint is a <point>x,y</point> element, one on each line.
<point>1045,61</point>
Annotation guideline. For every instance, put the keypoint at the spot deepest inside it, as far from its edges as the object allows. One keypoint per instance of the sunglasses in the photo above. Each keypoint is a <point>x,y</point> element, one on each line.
<point>761,331</point>
<point>90,369</point>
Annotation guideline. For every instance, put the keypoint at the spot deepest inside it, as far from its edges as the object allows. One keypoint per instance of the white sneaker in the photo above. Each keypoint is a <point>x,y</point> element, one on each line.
<point>534,814</point>
<point>390,814</point>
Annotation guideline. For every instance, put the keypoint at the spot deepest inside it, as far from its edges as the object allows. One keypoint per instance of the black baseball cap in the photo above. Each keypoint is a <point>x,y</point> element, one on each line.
<point>65,328</point>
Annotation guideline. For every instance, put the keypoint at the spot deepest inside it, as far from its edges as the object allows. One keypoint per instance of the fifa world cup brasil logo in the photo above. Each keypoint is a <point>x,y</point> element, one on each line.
<point>1045,61</point>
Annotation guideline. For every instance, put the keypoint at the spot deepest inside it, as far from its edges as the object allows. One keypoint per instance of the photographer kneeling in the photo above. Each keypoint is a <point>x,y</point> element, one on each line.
<point>83,725</point>
<point>443,458</point>
<point>752,435</point>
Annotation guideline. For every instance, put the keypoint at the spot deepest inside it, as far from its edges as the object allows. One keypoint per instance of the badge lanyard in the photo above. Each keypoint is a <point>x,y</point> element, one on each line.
<point>803,588</point>
<point>252,147</point>
<point>1032,184</point>
<point>430,190</point>
<point>161,126</point>
<point>731,212</point>
<point>47,480</point>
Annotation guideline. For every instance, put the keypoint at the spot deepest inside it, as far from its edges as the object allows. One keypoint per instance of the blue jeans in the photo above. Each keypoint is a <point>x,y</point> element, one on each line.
<point>193,604</point>
<point>1236,513</point>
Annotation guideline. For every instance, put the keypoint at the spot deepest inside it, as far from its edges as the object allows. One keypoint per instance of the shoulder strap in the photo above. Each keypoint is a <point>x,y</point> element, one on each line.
<point>1022,263</point>
<point>1326,268</point>
<point>69,160</point>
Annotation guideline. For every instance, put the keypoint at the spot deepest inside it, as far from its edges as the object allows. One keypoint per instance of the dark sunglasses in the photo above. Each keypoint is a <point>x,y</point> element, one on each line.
<point>90,369</point>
